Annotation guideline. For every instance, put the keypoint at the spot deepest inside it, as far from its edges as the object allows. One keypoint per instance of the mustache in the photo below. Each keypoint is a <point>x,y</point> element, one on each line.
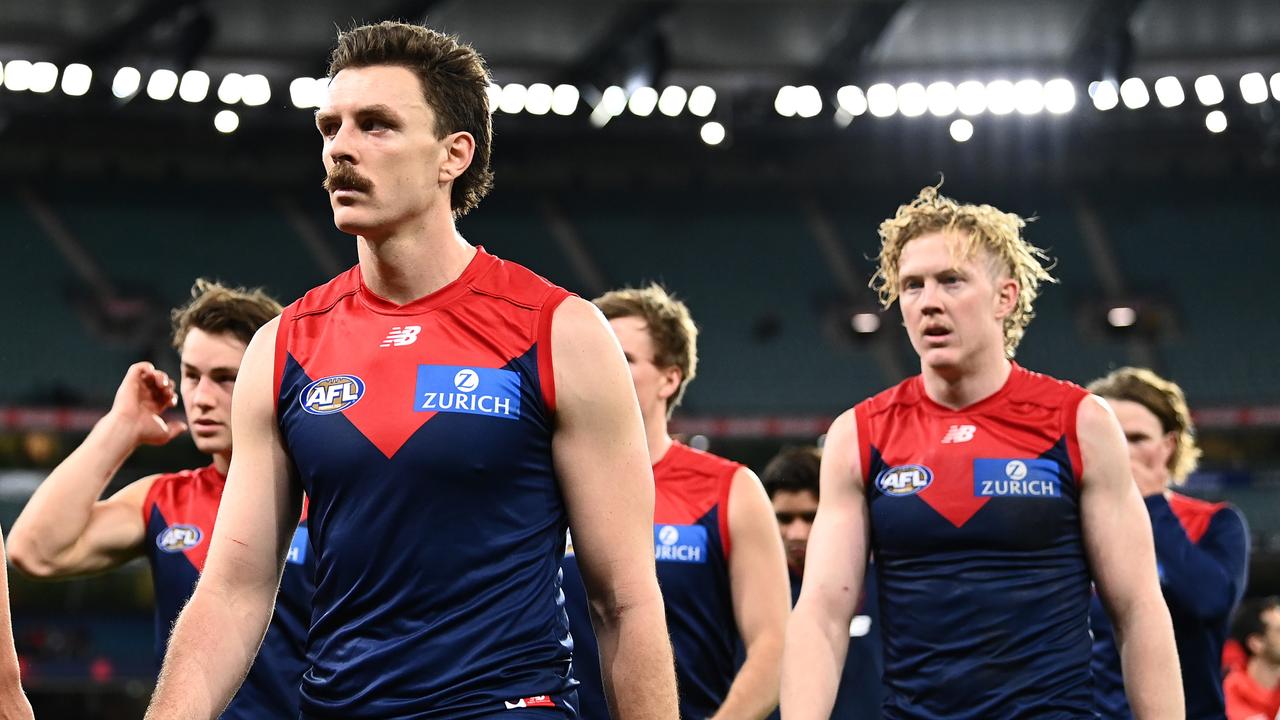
<point>344,177</point>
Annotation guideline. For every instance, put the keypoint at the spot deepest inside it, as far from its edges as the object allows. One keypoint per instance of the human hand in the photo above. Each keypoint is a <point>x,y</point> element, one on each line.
<point>143,396</point>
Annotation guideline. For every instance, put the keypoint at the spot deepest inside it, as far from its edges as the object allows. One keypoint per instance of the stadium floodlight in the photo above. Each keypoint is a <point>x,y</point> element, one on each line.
<point>1253,88</point>
<point>671,101</point>
<point>126,82</point>
<point>226,121</point>
<point>1059,96</point>
<point>231,89</point>
<point>643,100</point>
<point>808,101</point>
<point>1169,91</point>
<point>882,99</point>
<point>194,86</point>
<point>1216,121</point>
<point>1275,86</point>
<point>702,101</point>
<point>1121,316</point>
<point>1001,97</point>
<point>712,133</point>
<point>913,101</point>
<point>1134,93</point>
<point>1104,94</point>
<point>18,75</point>
<point>612,102</point>
<point>865,323</point>
<point>1209,90</point>
<point>852,100</point>
<point>302,92</point>
<point>76,79</point>
<point>971,97</point>
<point>1,74</point>
<point>494,92</point>
<point>538,100</point>
<point>162,84</point>
<point>961,130</point>
<point>257,90</point>
<point>942,98</point>
<point>564,99</point>
<point>1028,97</point>
<point>44,77</point>
<point>784,103</point>
<point>513,97</point>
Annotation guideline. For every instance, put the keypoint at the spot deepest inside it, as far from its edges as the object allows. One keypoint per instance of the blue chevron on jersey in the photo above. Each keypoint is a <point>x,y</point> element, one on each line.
<point>474,390</point>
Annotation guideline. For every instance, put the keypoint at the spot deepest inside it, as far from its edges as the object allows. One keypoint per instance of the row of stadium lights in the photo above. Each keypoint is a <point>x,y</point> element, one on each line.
<point>941,99</point>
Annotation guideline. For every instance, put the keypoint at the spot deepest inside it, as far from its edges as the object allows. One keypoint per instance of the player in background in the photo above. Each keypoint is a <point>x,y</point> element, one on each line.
<point>1253,692</point>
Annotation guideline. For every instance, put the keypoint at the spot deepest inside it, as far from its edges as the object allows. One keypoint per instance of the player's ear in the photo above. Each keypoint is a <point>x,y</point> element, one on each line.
<point>1006,296</point>
<point>671,378</point>
<point>459,148</point>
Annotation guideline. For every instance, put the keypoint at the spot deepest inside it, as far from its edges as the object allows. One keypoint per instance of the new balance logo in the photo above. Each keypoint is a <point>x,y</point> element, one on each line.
<point>959,434</point>
<point>401,336</point>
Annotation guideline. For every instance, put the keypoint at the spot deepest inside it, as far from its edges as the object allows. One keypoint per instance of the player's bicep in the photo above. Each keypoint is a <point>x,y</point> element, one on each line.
<point>757,561</point>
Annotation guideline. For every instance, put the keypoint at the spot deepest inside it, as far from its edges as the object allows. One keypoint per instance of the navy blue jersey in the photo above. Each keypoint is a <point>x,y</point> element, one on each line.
<point>975,528</point>
<point>1202,553</point>
<point>179,510</point>
<point>691,545</point>
<point>422,435</point>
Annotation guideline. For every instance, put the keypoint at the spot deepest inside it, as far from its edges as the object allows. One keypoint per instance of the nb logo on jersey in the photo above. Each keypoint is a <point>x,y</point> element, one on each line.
<point>535,701</point>
<point>904,480</point>
<point>335,393</point>
<point>401,336</point>
<point>177,538</point>
<point>959,434</point>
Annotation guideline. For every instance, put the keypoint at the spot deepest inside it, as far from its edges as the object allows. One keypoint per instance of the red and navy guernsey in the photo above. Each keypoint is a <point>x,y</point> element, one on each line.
<point>422,436</point>
<point>179,512</point>
<point>975,527</point>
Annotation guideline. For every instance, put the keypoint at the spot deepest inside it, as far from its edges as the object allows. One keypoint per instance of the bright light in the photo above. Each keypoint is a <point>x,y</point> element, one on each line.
<point>76,79</point>
<point>494,93</point>
<point>538,100</point>
<point>18,75</point>
<point>226,121</point>
<point>126,82</point>
<point>44,77</point>
<point>513,95</point>
<point>852,100</point>
<point>257,90</point>
<point>942,98</point>
<point>1,74</point>
<point>702,101</point>
<point>564,99</point>
<point>865,323</point>
<point>1104,94</point>
<point>195,86</point>
<point>1001,97</point>
<point>1059,96</point>
<point>784,103</point>
<point>971,97</point>
<point>672,100</point>
<point>1122,316</point>
<point>613,101</point>
<point>231,90</point>
<point>712,133</point>
<point>162,84</point>
<point>301,92</point>
<point>1169,91</point>
<point>912,99</point>
<point>1275,86</point>
<point>1134,93</point>
<point>961,130</point>
<point>1209,90</point>
<point>1253,88</point>
<point>643,100</point>
<point>1216,121</point>
<point>882,99</point>
<point>808,101</point>
<point>1028,97</point>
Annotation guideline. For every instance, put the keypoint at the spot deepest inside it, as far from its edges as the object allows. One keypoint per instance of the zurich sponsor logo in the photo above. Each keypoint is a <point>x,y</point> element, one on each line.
<point>298,547</point>
<point>904,480</point>
<point>1021,477</point>
<point>680,543</point>
<point>177,538</point>
<point>332,394</point>
<point>470,390</point>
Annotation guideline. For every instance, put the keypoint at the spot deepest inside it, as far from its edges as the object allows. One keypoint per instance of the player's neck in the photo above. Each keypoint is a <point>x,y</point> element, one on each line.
<point>414,261</point>
<point>222,462</point>
<point>1263,673</point>
<point>657,438</point>
<point>958,388</point>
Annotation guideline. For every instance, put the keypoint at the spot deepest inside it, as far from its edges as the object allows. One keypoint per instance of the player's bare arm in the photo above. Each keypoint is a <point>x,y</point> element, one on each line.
<point>1117,535</point>
<point>836,561</point>
<point>219,631</point>
<point>13,703</point>
<point>603,464</point>
<point>66,529</point>
<point>761,599</point>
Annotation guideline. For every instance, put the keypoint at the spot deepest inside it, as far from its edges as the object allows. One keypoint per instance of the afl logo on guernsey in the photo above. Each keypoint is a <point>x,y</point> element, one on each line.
<point>177,538</point>
<point>904,480</point>
<point>332,394</point>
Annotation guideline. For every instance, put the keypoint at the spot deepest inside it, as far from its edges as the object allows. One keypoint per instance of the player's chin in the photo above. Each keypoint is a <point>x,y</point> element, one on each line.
<point>213,444</point>
<point>353,220</point>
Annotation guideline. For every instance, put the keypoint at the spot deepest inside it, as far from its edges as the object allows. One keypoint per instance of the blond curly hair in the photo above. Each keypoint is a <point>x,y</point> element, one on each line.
<point>1166,401</point>
<point>978,227</point>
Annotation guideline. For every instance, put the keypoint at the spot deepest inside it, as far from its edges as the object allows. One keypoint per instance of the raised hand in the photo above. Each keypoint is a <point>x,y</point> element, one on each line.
<point>143,396</point>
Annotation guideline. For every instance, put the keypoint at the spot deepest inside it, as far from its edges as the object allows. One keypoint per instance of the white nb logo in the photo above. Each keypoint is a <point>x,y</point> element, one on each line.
<point>401,336</point>
<point>959,434</point>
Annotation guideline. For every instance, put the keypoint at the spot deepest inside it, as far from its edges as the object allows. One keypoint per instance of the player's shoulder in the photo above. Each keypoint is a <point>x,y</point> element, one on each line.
<point>1029,386</point>
<point>324,298</point>
<point>513,282</point>
<point>182,484</point>
<point>700,461</point>
<point>906,394</point>
<point>1186,505</point>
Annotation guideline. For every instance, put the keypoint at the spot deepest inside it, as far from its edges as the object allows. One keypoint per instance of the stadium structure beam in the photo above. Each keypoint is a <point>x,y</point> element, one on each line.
<point>1104,46</point>
<point>862,29</point>
<point>631,44</point>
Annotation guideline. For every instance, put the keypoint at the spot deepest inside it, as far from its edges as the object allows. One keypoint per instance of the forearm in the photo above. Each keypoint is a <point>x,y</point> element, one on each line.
<point>812,659</point>
<point>754,692</point>
<point>636,661</point>
<point>1149,661</point>
<point>13,703</point>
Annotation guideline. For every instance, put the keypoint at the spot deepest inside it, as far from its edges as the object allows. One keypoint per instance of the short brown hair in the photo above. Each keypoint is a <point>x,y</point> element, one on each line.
<point>216,308</point>
<point>454,80</point>
<point>1166,401</point>
<point>793,469</point>
<point>675,337</point>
